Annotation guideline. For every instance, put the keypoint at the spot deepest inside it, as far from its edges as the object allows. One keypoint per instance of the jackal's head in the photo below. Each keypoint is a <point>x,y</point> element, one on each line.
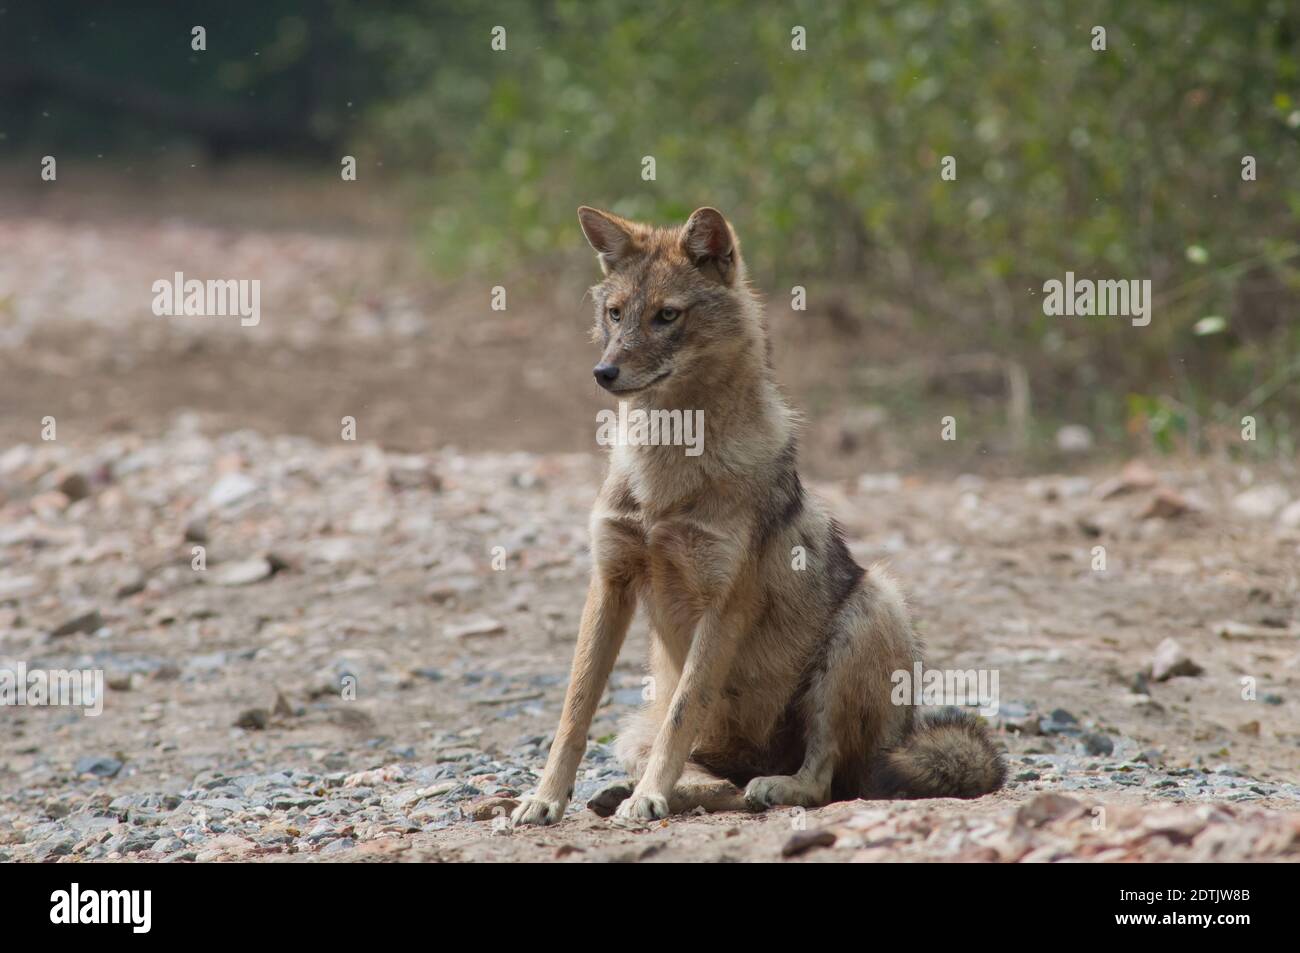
<point>673,302</point>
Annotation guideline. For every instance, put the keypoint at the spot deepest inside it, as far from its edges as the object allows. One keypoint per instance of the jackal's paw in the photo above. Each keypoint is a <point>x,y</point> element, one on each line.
<point>605,801</point>
<point>762,793</point>
<point>536,810</point>
<point>643,807</point>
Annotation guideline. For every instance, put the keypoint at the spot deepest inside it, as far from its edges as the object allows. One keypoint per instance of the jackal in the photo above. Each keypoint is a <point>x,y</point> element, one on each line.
<point>772,682</point>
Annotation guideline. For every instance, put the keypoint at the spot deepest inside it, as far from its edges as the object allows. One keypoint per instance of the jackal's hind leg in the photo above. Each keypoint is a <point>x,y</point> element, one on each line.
<point>696,789</point>
<point>792,790</point>
<point>810,786</point>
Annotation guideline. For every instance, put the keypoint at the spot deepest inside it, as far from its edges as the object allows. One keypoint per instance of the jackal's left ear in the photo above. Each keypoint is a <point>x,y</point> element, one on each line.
<point>709,241</point>
<point>608,234</point>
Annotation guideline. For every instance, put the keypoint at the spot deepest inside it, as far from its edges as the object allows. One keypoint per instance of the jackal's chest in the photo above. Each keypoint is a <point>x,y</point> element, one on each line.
<point>669,558</point>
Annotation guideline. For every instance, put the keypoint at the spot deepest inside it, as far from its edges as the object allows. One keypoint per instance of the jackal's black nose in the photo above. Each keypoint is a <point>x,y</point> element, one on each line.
<point>606,374</point>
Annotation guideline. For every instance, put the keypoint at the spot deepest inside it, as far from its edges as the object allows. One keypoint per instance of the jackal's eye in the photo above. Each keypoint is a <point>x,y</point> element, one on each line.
<point>614,313</point>
<point>668,315</point>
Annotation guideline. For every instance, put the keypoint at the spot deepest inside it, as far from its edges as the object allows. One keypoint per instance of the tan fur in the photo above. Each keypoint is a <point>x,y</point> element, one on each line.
<point>765,675</point>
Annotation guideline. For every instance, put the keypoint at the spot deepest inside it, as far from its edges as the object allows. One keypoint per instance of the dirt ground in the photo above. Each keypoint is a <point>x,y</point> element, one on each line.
<point>371,660</point>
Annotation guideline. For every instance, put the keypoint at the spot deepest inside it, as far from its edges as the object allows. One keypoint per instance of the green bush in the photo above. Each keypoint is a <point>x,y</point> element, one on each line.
<point>1125,163</point>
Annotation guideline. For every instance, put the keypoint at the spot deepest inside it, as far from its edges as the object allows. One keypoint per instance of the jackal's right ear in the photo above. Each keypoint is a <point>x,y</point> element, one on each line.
<point>710,243</point>
<point>610,235</point>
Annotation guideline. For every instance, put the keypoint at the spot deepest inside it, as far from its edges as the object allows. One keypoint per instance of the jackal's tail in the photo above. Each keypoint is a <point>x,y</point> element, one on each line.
<point>948,754</point>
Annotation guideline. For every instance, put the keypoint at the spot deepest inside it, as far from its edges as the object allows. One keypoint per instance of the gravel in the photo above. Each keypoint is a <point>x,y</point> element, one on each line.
<point>378,683</point>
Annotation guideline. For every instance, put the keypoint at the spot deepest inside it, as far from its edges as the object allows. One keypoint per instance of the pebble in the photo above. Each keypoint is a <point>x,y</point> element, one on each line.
<point>1059,722</point>
<point>490,808</point>
<point>208,819</point>
<point>75,486</point>
<point>320,783</point>
<point>231,488</point>
<point>1166,504</point>
<point>16,587</point>
<point>53,847</point>
<point>253,719</point>
<point>243,572</point>
<point>800,842</point>
<point>1261,502</point>
<point>474,627</point>
<point>1098,744</point>
<point>86,622</point>
<point>1171,661</point>
<point>1074,438</point>
<point>100,766</point>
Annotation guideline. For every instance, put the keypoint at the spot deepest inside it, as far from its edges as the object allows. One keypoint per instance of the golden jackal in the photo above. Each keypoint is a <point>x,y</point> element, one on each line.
<point>772,682</point>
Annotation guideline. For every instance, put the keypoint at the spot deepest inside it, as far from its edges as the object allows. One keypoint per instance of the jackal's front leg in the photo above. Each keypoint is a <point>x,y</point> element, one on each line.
<point>605,620</point>
<point>703,676</point>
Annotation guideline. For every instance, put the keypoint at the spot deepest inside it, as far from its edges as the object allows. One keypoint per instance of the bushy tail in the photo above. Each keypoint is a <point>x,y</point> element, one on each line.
<point>948,754</point>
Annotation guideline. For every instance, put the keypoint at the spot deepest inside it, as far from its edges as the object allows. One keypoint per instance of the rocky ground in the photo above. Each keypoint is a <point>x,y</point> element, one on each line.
<point>322,648</point>
<point>371,655</point>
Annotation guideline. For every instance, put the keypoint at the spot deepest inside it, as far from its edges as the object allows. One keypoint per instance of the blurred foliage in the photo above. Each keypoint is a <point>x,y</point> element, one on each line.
<point>276,77</point>
<point>1117,164</point>
<point>1125,163</point>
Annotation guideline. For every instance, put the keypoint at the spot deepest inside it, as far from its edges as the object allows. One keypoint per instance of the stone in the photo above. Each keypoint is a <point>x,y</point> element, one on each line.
<point>100,766</point>
<point>1045,808</point>
<point>1171,661</point>
<point>1097,744</point>
<point>1136,475</point>
<point>1290,516</point>
<point>490,808</point>
<point>800,842</point>
<point>16,587</point>
<point>132,586</point>
<point>1166,504</point>
<point>230,488</point>
<point>1059,722</point>
<point>86,622</point>
<point>1261,502</point>
<point>1074,439</point>
<point>74,486</point>
<point>474,627</point>
<point>243,572</point>
<point>253,719</point>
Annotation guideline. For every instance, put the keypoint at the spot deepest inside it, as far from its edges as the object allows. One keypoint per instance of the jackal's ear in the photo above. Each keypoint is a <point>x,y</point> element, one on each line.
<point>710,243</point>
<point>610,235</point>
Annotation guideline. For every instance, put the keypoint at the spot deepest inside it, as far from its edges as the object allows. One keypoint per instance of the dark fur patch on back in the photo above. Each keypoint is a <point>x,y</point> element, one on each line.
<point>949,754</point>
<point>842,573</point>
<point>785,502</point>
<point>842,576</point>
